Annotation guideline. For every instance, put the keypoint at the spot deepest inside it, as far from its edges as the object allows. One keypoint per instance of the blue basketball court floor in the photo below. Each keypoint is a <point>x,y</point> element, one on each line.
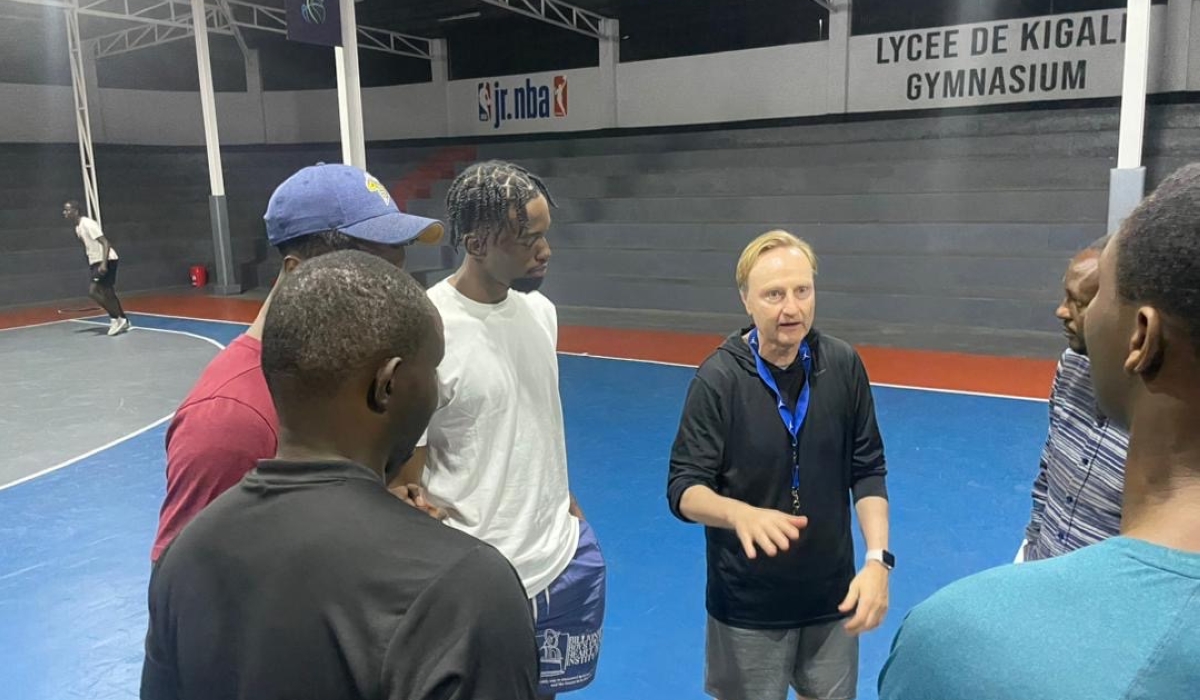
<point>76,522</point>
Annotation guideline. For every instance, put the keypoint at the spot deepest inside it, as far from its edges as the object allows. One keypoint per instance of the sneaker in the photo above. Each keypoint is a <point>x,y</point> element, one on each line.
<point>113,325</point>
<point>123,325</point>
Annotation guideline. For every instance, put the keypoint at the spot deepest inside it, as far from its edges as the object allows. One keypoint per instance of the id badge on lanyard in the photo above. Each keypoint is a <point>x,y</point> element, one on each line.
<point>792,420</point>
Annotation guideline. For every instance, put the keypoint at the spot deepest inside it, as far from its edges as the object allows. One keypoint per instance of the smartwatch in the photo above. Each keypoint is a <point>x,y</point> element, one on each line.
<point>883,557</point>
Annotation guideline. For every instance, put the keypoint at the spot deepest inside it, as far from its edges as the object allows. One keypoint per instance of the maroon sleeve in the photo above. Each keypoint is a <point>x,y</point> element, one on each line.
<point>211,445</point>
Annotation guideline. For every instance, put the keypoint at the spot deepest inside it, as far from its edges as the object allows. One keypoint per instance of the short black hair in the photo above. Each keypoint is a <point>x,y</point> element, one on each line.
<point>1158,254</point>
<point>312,245</point>
<point>481,197</point>
<point>73,204</point>
<point>339,315</point>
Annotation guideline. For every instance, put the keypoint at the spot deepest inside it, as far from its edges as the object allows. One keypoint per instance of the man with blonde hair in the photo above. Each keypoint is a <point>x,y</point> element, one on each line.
<point>777,432</point>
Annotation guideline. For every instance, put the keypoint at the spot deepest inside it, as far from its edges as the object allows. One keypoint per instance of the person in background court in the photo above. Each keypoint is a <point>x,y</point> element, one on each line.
<point>778,432</point>
<point>103,261</point>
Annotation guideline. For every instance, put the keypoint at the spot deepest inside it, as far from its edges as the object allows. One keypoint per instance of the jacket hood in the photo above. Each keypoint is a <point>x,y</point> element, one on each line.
<point>737,348</point>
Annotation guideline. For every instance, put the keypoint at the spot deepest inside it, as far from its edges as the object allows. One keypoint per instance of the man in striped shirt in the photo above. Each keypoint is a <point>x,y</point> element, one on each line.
<point>1077,493</point>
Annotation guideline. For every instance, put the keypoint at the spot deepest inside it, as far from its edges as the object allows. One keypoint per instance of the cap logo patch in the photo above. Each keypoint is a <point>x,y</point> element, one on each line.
<point>377,187</point>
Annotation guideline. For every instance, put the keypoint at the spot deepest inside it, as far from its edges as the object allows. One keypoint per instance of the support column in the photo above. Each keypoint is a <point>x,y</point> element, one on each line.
<point>838,70</point>
<point>610,59</point>
<point>439,61</point>
<point>90,79</point>
<point>354,150</point>
<point>83,122</point>
<point>254,88</point>
<point>226,279</point>
<point>1178,37</point>
<point>1127,182</point>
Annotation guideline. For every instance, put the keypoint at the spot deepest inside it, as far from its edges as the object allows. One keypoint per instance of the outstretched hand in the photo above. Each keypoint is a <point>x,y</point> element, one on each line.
<point>772,531</point>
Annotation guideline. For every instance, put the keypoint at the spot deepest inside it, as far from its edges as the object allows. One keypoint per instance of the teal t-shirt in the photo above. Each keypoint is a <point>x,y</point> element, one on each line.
<point>1118,619</point>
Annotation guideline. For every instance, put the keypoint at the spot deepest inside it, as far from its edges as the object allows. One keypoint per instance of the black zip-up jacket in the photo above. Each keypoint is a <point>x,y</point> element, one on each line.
<point>732,440</point>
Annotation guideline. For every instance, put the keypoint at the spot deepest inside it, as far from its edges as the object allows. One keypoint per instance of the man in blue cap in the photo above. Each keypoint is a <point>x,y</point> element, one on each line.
<point>228,422</point>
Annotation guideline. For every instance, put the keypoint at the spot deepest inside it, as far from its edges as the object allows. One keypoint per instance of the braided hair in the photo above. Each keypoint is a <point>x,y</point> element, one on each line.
<point>481,197</point>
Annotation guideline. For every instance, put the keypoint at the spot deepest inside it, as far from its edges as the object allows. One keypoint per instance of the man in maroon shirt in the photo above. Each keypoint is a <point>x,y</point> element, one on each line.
<point>227,422</point>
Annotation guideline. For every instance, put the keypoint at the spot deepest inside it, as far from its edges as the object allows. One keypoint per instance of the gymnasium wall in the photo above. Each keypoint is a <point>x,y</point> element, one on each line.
<point>947,232</point>
<point>1061,57</point>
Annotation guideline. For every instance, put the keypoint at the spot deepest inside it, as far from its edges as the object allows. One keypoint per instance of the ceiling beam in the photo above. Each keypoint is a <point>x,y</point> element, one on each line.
<point>233,16</point>
<point>558,13</point>
<point>237,32</point>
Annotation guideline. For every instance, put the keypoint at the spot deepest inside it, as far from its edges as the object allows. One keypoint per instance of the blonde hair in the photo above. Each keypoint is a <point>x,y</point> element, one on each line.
<point>765,243</point>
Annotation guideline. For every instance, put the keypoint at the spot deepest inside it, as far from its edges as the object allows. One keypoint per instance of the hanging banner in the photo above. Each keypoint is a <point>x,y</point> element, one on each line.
<point>315,22</point>
<point>1058,57</point>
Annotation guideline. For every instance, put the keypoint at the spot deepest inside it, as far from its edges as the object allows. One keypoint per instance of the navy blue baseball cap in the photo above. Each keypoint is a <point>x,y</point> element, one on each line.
<point>332,196</point>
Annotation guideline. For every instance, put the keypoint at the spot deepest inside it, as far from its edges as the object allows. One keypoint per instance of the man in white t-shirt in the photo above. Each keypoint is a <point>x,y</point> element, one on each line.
<point>103,260</point>
<point>495,457</point>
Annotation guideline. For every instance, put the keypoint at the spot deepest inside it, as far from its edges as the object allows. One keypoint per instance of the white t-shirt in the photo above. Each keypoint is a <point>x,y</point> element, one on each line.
<point>89,233</point>
<point>497,451</point>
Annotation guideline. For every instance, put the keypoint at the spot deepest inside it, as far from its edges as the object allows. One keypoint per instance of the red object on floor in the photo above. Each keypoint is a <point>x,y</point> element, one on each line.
<point>199,276</point>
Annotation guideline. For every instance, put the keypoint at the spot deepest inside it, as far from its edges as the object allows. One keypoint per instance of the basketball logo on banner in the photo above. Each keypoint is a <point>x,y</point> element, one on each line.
<point>313,11</point>
<point>315,22</point>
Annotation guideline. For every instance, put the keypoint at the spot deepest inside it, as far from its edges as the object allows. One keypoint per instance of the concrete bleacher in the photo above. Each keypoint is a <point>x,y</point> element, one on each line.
<point>946,232</point>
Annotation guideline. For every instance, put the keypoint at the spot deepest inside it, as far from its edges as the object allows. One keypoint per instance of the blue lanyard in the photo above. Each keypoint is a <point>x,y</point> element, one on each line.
<point>793,421</point>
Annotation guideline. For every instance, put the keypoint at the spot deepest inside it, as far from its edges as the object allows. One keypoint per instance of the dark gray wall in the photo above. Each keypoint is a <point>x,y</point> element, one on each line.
<point>946,233</point>
<point>155,211</point>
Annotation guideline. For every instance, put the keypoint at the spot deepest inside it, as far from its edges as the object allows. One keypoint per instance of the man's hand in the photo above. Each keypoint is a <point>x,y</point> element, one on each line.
<point>869,593</point>
<point>103,269</point>
<point>771,530</point>
<point>414,495</point>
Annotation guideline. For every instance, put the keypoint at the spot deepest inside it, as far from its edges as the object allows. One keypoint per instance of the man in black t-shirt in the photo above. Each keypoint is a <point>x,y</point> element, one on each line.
<point>778,431</point>
<point>309,579</point>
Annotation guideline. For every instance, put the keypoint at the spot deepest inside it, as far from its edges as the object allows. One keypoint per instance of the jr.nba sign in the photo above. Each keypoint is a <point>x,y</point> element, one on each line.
<point>499,103</point>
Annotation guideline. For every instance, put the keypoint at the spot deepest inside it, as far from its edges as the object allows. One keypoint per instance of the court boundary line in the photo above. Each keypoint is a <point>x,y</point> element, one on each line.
<point>191,318</point>
<point>35,325</point>
<point>197,336</point>
<point>961,392</point>
<point>91,453</point>
<point>888,385</point>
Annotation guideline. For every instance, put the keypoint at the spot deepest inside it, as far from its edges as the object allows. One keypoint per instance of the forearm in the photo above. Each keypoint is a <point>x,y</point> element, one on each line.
<point>411,472</point>
<point>873,519</point>
<point>703,505</point>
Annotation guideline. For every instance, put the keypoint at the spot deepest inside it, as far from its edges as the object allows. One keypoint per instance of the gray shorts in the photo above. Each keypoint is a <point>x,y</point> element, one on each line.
<point>819,662</point>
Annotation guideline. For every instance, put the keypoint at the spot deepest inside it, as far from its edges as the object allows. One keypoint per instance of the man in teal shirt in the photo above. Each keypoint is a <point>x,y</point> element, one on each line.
<point>1119,619</point>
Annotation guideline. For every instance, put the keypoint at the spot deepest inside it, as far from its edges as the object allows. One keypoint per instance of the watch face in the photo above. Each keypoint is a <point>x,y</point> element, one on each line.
<point>888,559</point>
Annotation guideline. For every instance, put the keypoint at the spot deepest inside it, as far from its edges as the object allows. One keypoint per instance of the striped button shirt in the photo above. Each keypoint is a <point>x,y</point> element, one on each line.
<point>1077,493</point>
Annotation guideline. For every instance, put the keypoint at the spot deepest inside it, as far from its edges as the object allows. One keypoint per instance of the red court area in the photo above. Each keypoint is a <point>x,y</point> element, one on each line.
<point>1006,376</point>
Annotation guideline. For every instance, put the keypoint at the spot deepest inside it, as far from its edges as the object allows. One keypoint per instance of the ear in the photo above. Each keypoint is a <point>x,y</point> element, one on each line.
<point>380,397</point>
<point>290,263</point>
<point>1147,345</point>
<point>476,245</point>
